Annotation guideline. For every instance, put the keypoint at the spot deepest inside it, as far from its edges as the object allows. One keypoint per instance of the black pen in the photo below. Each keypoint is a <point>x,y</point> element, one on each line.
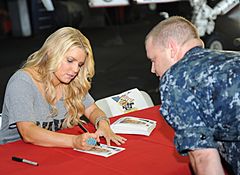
<point>85,130</point>
<point>18,159</point>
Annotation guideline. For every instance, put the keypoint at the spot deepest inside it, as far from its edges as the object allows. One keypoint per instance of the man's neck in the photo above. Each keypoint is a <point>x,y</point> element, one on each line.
<point>189,45</point>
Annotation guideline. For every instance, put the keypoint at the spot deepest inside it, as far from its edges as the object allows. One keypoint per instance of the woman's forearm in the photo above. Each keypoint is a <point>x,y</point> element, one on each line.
<point>38,136</point>
<point>93,112</point>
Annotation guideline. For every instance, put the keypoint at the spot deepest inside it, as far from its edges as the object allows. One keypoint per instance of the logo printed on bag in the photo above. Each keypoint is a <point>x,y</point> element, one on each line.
<point>127,103</point>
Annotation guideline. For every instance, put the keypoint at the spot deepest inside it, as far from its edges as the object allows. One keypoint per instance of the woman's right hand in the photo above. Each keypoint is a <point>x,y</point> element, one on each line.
<point>80,141</point>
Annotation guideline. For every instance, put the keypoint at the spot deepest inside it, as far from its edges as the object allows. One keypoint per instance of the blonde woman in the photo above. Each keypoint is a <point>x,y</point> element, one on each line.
<point>50,92</point>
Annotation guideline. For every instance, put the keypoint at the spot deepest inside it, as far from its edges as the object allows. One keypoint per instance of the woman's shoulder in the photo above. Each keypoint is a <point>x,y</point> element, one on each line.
<point>20,75</point>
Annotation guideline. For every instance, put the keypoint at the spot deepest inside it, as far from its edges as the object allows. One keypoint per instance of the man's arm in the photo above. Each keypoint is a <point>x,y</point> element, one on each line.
<point>206,161</point>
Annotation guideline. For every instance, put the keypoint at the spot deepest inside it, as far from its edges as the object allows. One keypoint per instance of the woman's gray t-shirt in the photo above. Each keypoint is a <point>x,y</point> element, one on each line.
<point>24,102</point>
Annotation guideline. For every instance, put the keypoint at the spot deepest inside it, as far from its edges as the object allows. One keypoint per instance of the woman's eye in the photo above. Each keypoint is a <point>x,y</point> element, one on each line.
<point>69,60</point>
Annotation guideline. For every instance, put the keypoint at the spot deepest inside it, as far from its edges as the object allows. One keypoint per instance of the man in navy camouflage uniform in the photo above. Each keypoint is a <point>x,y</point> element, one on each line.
<point>200,94</point>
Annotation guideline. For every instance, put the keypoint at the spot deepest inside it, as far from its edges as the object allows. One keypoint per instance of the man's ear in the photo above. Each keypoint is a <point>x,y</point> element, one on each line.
<point>172,45</point>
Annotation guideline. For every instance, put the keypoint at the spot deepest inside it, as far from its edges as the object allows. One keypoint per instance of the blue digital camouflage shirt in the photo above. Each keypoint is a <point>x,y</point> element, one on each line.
<point>201,100</point>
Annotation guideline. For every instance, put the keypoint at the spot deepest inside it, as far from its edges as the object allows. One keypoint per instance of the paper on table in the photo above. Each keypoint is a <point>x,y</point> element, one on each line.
<point>103,150</point>
<point>133,125</point>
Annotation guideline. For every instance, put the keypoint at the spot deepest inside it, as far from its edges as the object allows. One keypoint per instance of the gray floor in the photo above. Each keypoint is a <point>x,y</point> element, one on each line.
<point>119,52</point>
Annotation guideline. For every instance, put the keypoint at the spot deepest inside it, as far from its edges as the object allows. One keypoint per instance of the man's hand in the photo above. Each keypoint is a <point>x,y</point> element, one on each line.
<point>206,161</point>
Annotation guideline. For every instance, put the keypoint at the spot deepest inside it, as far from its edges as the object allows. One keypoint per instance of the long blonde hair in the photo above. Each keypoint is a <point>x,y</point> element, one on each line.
<point>46,61</point>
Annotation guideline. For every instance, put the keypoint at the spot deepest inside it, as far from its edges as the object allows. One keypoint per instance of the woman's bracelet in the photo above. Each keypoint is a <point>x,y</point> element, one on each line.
<point>99,119</point>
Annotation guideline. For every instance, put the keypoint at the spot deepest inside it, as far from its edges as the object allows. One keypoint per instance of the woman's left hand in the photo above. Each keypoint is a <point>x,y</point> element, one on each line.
<point>105,131</point>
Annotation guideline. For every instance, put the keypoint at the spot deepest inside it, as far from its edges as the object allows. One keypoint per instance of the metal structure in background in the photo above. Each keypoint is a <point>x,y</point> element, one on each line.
<point>107,3</point>
<point>18,12</point>
<point>204,14</point>
<point>0,121</point>
<point>48,5</point>
<point>204,18</point>
<point>237,42</point>
<point>210,20</point>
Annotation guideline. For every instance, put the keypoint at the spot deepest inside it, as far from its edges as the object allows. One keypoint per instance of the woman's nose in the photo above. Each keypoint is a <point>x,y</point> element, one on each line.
<point>76,68</point>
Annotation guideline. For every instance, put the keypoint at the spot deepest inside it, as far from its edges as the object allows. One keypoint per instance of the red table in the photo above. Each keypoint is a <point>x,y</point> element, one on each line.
<point>154,154</point>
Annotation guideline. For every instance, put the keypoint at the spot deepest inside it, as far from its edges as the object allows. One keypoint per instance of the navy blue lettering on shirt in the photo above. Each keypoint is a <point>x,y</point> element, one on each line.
<point>54,125</point>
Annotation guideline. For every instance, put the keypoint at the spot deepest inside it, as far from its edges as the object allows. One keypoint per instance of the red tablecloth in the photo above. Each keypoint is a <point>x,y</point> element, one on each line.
<point>154,154</point>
